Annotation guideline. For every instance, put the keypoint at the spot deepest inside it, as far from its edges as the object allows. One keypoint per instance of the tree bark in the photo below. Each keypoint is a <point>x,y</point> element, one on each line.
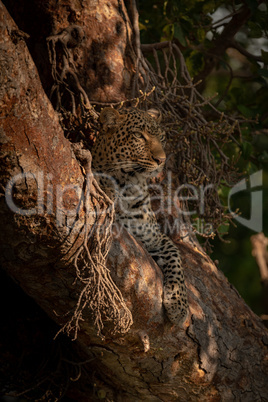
<point>103,59</point>
<point>220,354</point>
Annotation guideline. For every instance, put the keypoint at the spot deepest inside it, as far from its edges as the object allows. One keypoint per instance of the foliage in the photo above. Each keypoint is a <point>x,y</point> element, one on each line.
<point>225,44</point>
<point>242,78</point>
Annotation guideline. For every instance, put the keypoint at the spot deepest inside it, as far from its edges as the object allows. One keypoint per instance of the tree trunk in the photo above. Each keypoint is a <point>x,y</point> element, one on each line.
<point>221,353</point>
<point>105,55</point>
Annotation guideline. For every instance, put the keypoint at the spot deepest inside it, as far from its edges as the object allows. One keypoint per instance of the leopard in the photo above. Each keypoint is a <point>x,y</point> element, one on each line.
<point>127,153</point>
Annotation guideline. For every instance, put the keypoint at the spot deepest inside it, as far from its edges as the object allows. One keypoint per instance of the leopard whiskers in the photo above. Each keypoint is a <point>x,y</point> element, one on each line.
<point>126,165</point>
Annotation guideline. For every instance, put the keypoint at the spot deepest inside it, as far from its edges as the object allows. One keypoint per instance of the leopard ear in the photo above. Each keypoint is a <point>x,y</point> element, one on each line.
<point>109,117</point>
<point>156,114</point>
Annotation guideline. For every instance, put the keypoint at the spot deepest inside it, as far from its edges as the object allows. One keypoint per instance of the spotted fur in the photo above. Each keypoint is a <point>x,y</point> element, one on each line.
<point>128,150</point>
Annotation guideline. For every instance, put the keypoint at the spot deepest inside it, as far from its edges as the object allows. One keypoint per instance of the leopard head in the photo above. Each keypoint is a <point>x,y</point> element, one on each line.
<point>131,141</point>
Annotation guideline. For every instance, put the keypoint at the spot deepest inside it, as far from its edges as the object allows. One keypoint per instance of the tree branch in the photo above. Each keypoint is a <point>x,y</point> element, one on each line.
<point>147,48</point>
<point>243,51</point>
<point>221,43</point>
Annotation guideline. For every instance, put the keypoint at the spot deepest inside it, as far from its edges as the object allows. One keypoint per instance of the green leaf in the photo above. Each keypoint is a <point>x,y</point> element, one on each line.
<point>248,113</point>
<point>263,72</point>
<point>209,7</point>
<point>142,26</point>
<point>246,149</point>
<point>253,4</point>
<point>165,7</point>
<point>224,228</point>
<point>255,30</point>
<point>179,34</point>
<point>168,32</point>
<point>263,157</point>
<point>224,192</point>
<point>264,56</point>
<point>201,34</point>
<point>195,62</point>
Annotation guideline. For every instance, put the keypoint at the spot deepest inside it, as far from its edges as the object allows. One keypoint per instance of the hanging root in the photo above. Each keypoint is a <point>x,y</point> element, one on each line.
<point>63,70</point>
<point>99,295</point>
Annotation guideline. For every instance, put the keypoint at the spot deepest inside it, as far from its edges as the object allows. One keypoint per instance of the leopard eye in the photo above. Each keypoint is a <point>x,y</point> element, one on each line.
<point>138,134</point>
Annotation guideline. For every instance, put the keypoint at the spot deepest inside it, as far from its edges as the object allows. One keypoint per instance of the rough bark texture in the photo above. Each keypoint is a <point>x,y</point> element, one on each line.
<point>32,142</point>
<point>220,354</point>
<point>104,58</point>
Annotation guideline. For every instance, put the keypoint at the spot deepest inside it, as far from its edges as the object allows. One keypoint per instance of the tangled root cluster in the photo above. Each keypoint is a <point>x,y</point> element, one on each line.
<point>99,293</point>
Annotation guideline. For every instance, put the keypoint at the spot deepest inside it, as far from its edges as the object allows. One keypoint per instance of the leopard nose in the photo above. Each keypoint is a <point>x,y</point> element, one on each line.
<point>159,160</point>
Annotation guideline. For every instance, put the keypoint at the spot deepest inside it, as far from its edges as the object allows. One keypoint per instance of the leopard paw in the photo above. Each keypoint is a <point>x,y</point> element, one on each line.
<point>176,304</point>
